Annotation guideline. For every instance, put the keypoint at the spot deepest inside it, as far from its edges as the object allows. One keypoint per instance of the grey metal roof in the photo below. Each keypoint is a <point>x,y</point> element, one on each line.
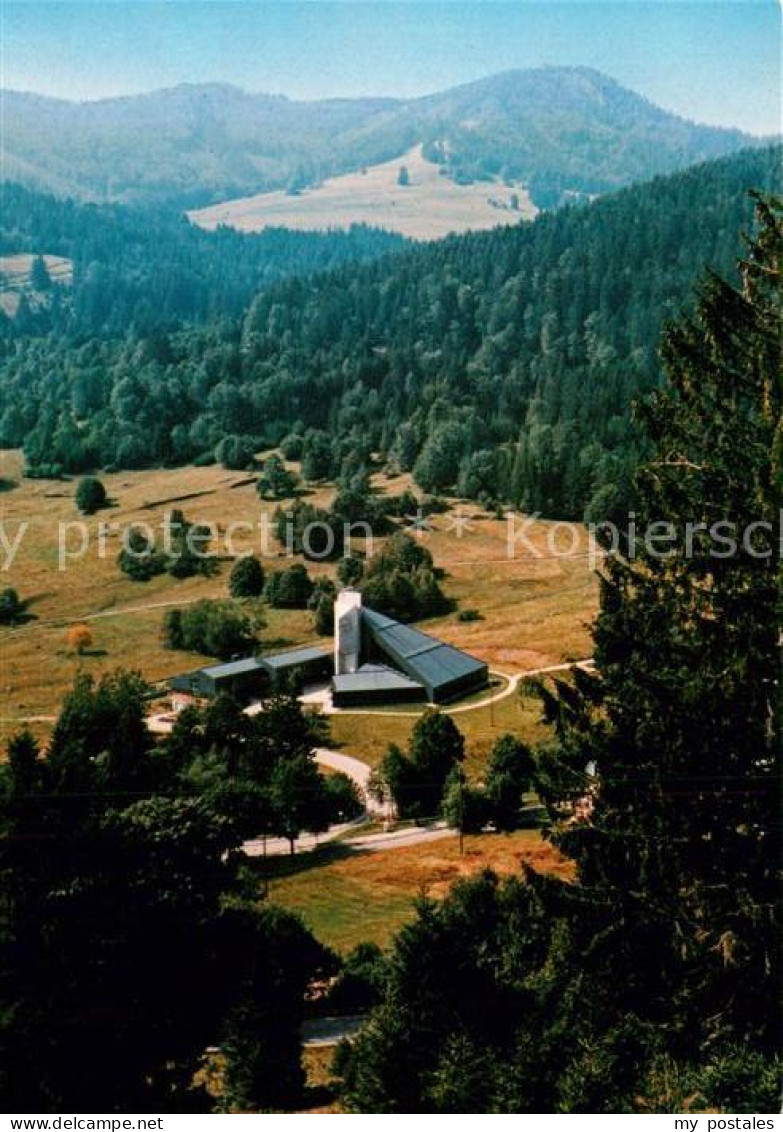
<point>291,658</point>
<point>183,682</point>
<point>423,658</point>
<point>444,664</point>
<point>232,668</point>
<point>374,678</point>
<point>379,620</point>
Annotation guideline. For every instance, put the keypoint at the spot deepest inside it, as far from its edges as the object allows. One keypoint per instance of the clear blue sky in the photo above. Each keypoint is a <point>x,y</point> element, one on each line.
<point>716,61</point>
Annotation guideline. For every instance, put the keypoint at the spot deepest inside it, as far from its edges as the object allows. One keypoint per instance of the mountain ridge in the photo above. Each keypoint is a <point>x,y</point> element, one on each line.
<point>555,130</point>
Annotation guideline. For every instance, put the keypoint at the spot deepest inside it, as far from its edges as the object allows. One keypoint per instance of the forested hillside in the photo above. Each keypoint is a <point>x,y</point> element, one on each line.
<point>554,129</point>
<point>143,271</point>
<point>648,981</point>
<point>501,364</point>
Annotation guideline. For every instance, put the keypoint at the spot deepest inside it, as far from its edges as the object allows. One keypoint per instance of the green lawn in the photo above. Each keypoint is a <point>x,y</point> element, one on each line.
<point>347,897</point>
<point>368,736</point>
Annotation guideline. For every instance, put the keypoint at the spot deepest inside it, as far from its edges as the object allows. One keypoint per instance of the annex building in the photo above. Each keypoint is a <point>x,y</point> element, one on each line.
<point>253,677</point>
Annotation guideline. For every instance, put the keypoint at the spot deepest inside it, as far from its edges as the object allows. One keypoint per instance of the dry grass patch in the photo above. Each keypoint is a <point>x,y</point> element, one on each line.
<point>346,897</point>
<point>428,208</point>
<point>321,1085</point>
<point>535,610</point>
<point>125,617</point>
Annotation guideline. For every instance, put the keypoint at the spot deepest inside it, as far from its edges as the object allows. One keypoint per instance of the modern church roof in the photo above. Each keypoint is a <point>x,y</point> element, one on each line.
<point>421,657</point>
<point>374,678</point>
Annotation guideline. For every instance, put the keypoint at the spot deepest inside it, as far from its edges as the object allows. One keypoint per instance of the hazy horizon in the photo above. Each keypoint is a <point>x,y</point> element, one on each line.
<point>713,63</point>
<point>228,85</point>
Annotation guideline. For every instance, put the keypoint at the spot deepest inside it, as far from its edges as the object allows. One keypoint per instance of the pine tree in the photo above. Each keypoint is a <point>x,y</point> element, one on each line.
<point>676,836</point>
<point>90,495</point>
<point>247,578</point>
<point>40,280</point>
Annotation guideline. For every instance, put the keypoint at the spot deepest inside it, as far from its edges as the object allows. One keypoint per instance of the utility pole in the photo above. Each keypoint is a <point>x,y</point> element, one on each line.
<point>266,877</point>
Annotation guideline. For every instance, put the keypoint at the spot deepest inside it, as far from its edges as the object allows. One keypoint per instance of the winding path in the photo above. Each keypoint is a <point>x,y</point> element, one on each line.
<point>512,684</point>
<point>330,1031</point>
<point>359,772</point>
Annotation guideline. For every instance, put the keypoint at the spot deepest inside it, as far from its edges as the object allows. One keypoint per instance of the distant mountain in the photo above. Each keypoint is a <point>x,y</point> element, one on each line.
<point>554,130</point>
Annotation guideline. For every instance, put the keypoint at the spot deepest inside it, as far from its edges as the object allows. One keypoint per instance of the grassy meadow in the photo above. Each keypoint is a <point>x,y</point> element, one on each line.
<point>534,611</point>
<point>346,897</point>
<point>15,278</point>
<point>428,208</point>
<point>367,736</point>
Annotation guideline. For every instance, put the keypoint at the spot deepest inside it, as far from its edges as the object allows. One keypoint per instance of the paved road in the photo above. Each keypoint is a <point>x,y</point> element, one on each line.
<point>359,773</point>
<point>400,838</point>
<point>351,838</point>
<point>356,770</point>
<point>280,846</point>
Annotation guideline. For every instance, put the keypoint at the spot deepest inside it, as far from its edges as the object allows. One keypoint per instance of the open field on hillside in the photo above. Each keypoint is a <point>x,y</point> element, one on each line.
<point>347,897</point>
<point>36,667</point>
<point>428,208</point>
<point>15,270</point>
<point>317,1062</point>
<point>535,609</point>
<point>15,275</point>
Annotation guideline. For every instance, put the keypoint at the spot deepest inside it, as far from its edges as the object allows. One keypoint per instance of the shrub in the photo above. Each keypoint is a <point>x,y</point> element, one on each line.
<point>139,560</point>
<point>291,446</point>
<point>342,799</point>
<point>213,628</point>
<point>276,481</point>
<point>79,638</point>
<point>509,775</point>
<point>464,807</point>
<point>359,986</point>
<point>416,780</point>
<point>247,578</point>
<point>401,581</point>
<point>90,495</point>
<point>289,589</point>
<point>236,452</point>
<point>350,571</point>
<point>311,531</point>
<point>323,616</point>
<point>185,554</point>
<point>321,604</point>
<point>469,615</point>
<point>317,455</point>
<point>12,608</point>
<point>44,472</point>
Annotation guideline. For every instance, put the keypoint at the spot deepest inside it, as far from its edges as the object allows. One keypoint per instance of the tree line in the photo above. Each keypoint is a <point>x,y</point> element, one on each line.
<point>146,271</point>
<point>131,932</point>
<point>500,365</point>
